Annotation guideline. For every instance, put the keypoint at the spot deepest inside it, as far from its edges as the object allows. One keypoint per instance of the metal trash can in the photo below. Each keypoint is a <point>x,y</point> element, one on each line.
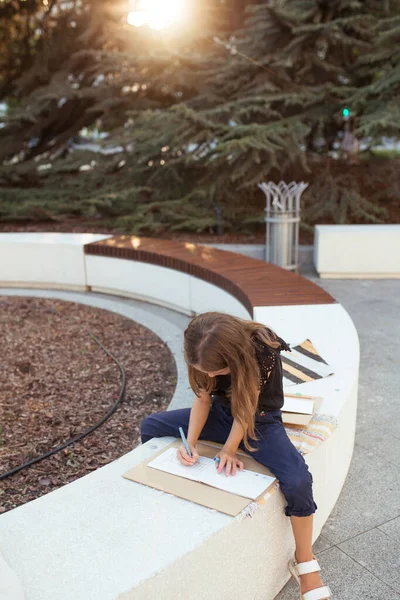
<point>282,217</point>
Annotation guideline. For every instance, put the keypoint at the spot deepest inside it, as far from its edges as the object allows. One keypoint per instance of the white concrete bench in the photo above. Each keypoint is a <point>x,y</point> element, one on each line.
<point>44,260</point>
<point>357,251</point>
<point>103,537</point>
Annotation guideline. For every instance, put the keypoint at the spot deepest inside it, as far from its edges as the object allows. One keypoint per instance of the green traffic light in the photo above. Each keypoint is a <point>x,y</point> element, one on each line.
<point>346,112</point>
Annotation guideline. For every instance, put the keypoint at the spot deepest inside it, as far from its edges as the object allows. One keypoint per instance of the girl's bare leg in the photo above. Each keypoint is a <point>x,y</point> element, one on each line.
<point>302,531</point>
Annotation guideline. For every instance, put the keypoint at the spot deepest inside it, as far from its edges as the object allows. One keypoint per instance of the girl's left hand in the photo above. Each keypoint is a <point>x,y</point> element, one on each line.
<point>229,460</point>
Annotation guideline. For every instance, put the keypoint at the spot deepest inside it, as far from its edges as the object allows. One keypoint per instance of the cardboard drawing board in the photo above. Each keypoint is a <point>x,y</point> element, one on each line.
<point>197,492</point>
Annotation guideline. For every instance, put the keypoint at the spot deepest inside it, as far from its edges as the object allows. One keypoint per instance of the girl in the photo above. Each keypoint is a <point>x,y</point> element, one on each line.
<point>235,371</point>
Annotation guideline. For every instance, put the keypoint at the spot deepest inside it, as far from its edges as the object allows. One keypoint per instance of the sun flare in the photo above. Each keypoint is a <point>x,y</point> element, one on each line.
<point>156,14</point>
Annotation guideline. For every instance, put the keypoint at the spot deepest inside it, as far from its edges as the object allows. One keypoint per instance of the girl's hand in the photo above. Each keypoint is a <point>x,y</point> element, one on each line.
<point>229,460</point>
<point>184,457</point>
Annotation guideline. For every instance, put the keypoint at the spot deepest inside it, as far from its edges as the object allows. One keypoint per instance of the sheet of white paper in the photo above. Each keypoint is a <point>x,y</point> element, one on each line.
<point>245,483</point>
<point>299,405</point>
<point>168,461</point>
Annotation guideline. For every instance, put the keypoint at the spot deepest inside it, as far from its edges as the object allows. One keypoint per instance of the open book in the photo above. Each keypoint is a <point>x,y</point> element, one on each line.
<point>248,484</point>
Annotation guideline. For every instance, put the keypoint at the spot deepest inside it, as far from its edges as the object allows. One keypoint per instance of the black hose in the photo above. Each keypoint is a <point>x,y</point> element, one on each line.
<point>91,429</point>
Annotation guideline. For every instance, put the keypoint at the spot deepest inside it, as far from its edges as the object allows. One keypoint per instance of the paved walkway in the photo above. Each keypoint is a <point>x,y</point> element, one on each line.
<point>359,548</point>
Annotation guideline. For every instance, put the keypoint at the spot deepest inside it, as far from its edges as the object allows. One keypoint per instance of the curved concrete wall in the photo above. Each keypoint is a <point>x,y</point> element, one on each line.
<point>160,285</point>
<point>44,260</point>
<point>123,540</point>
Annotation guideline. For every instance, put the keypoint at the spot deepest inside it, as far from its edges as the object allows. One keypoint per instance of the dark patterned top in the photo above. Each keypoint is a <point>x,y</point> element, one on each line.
<point>270,385</point>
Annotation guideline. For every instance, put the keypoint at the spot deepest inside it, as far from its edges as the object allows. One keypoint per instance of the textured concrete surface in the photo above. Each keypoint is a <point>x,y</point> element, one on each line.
<point>369,498</point>
<point>391,528</point>
<point>359,547</point>
<point>379,442</point>
<point>377,553</point>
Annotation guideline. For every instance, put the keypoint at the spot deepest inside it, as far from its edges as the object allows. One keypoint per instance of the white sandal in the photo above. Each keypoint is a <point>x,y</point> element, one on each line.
<point>311,566</point>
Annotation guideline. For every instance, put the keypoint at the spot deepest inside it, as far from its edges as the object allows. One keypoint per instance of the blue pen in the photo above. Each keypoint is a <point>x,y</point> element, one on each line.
<point>185,442</point>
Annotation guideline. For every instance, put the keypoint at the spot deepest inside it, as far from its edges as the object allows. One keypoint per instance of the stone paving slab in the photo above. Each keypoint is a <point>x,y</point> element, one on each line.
<point>347,579</point>
<point>321,544</point>
<point>376,408</point>
<point>381,442</point>
<point>378,553</point>
<point>370,497</point>
<point>392,528</point>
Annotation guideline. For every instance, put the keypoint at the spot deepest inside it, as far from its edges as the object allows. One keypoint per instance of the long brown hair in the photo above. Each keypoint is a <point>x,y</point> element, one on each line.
<point>214,341</point>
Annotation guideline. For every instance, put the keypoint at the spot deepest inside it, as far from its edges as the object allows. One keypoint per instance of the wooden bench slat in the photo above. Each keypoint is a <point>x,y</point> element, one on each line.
<point>252,281</point>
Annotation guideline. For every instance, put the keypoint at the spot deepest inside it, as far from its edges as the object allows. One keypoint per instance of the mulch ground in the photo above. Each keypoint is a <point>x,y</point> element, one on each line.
<point>56,382</point>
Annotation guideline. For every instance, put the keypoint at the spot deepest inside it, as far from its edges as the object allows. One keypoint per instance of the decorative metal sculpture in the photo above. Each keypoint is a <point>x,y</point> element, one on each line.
<point>282,222</point>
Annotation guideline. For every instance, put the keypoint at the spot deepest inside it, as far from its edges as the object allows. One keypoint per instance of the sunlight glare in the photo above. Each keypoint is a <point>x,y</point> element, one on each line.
<point>157,14</point>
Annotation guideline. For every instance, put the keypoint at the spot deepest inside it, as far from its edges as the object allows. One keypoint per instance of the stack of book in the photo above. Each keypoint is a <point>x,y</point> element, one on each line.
<point>299,409</point>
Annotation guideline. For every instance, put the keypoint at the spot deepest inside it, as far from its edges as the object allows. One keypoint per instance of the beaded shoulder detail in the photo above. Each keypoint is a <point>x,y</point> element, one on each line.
<point>266,357</point>
<point>267,363</point>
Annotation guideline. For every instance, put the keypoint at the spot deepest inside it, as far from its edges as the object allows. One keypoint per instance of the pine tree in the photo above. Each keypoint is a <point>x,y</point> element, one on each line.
<point>204,116</point>
<point>95,67</point>
<point>377,102</point>
<point>22,25</point>
<point>278,91</point>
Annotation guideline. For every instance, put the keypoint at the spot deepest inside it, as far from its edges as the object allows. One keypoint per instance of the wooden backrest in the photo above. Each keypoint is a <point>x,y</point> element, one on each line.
<point>253,282</point>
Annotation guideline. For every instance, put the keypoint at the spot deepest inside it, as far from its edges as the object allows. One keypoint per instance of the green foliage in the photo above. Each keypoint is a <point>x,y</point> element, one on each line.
<point>378,100</point>
<point>201,115</point>
<point>338,200</point>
